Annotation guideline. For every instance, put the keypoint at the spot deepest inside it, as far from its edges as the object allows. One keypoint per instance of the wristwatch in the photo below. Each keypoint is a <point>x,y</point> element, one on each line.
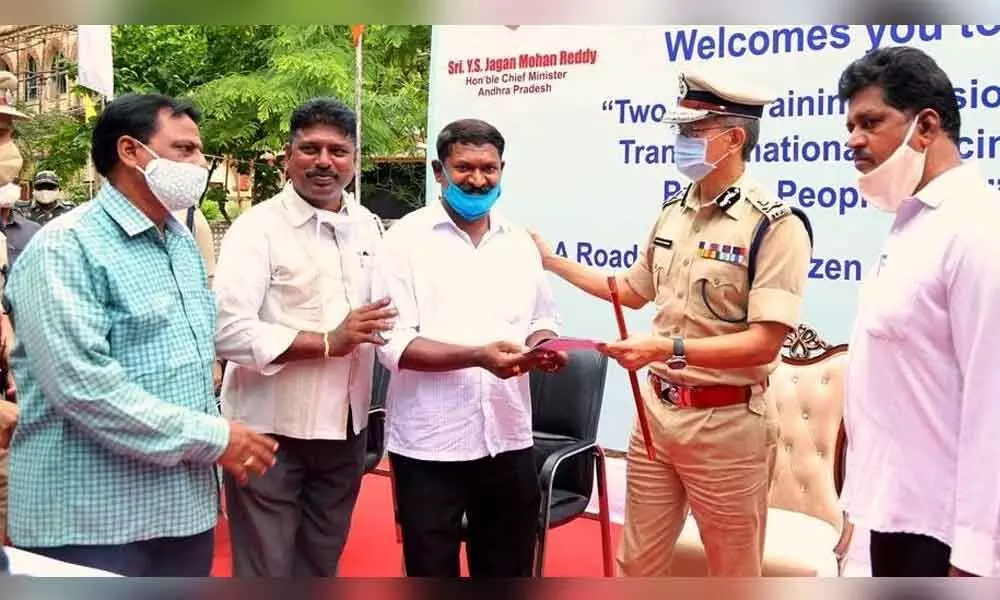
<point>679,359</point>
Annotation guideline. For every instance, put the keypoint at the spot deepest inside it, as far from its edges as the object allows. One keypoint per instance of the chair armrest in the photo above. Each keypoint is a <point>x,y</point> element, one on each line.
<point>843,544</point>
<point>547,473</point>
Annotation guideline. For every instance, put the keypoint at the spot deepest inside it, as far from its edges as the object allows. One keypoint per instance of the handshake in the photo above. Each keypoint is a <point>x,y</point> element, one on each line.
<point>507,359</point>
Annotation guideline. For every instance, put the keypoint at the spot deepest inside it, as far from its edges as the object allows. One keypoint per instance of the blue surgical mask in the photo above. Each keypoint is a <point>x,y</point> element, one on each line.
<point>689,156</point>
<point>469,206</point>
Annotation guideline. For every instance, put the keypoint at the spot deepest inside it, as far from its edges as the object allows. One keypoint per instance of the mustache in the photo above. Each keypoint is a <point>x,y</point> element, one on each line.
<point>323,173</point>
<point>471,189</point>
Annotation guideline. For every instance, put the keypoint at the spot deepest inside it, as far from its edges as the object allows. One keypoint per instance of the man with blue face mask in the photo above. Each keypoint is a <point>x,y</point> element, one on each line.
<point>472,299</point>
<point>725,265</point>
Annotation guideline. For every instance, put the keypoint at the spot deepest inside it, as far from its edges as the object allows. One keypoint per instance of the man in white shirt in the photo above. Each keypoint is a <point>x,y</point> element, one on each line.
<point>923,380</point>
<point>472,299</point>
<point>297,326</point>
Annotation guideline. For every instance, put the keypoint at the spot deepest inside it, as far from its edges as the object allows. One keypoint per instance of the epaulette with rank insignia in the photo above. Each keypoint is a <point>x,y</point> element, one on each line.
<point>679,196</point>
<point>773,210</point>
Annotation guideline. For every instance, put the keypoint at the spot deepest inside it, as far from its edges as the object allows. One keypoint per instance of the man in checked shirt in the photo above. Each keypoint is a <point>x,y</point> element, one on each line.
<point>112,461</point>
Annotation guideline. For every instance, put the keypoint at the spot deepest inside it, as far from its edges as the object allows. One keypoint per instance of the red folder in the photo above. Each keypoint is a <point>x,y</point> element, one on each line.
<point>640,407</point>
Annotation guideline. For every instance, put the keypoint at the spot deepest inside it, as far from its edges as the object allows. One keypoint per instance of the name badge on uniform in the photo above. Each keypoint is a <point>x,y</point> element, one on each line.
<point>663,243</point>
<point>723,252</point>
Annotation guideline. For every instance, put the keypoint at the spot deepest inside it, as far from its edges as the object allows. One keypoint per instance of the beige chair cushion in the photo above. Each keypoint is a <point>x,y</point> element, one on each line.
<point>796,545</point>
<point>809,401</point>
<point>804,521</point>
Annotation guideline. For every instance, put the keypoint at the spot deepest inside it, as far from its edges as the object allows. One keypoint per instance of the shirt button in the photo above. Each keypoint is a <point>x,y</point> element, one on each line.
<point>697,229</point>
<point>687,261</point>
<point>680,295</point>
<point>677,330</point>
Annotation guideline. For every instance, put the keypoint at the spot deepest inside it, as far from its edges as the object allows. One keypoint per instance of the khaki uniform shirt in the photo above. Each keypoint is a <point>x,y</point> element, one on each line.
<point>202,233</point>
<point>4,262</point>
<point>697,253</point>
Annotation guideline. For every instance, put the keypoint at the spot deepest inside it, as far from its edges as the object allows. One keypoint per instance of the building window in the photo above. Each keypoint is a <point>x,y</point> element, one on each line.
<point>31,80</point>
<point>59,78</point>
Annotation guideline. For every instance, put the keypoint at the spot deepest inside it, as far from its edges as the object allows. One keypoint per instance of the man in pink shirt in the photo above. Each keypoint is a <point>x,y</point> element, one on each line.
<point>923,379</point>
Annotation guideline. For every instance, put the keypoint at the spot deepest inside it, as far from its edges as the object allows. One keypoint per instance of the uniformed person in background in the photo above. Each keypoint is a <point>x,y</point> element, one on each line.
<point>11,161</point>
<point>199,227</point>
<point>22,206</point>
<point>15,227</point>
<point>47,200</point>
<point>11,164</point>
<point>725,266</point>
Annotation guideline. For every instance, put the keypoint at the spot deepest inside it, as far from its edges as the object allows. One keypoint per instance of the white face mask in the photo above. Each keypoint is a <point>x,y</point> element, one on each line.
<point>177,185</point>
<point>887,185</point>
<point>46,197</point>
<point>9,195</point>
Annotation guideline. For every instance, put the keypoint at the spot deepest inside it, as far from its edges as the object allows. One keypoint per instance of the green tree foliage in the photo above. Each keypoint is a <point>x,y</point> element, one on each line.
<point>247,112</point>
<point>174,59</point>
<point>54,141</point>
<point>251,109</point>
<point>246,80</point>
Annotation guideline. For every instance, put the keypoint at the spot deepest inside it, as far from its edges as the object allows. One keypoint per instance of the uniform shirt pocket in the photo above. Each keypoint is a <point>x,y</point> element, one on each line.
<point>663,259</point>
<point>718,290</point>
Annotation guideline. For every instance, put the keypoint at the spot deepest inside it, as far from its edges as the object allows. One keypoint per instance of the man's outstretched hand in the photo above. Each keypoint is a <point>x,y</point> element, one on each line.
<point>503,359</point>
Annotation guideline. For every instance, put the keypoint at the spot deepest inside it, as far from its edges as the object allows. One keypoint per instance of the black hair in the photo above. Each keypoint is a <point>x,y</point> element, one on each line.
<point>468,131</point>
<point>323,111</point>
<point>910,80</point>
<point>134,115</point>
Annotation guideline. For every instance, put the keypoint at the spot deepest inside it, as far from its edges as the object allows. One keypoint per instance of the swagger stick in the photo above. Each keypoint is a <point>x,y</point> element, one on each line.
<point>640,408</point>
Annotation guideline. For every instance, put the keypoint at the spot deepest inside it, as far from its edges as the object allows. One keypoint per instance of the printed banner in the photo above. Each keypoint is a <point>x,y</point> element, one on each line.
<point>588,162</point>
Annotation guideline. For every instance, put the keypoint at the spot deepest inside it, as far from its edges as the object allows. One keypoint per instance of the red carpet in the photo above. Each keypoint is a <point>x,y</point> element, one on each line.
<point>574,550</point>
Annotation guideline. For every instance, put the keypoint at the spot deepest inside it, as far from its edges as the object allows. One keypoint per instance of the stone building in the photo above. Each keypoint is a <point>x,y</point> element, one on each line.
<point>37,54</point>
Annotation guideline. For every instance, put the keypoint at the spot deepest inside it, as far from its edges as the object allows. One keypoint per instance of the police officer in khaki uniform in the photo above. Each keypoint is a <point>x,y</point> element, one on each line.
<point>725,266</point>
<point>199,227</point>
<point>11,164</point>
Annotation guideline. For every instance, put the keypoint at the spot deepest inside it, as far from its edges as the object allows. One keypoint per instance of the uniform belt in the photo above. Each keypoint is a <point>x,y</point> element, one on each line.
<point>707,396</point>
